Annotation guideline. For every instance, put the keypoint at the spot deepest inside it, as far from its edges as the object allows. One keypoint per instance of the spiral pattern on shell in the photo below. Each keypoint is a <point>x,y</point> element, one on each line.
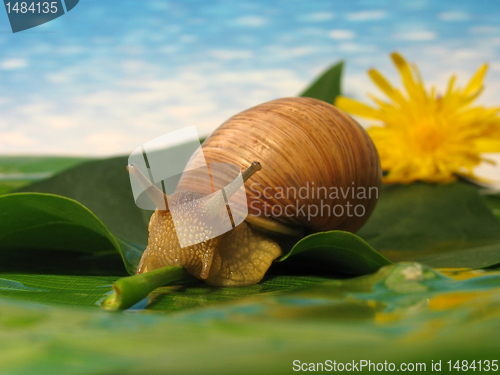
<point>299,142</point>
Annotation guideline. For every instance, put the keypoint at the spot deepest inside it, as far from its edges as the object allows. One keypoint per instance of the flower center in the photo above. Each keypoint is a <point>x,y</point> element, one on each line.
<point>426,136</point>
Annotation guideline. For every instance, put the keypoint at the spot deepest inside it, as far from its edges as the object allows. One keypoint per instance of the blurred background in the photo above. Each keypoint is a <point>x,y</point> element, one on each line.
<point>111,75</point>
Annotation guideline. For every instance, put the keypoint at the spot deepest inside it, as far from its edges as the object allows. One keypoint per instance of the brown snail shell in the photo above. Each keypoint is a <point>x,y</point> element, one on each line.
<point>300,143</point>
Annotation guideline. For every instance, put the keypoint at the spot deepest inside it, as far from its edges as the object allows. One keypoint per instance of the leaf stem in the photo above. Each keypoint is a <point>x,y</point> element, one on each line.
<point>130,290</point>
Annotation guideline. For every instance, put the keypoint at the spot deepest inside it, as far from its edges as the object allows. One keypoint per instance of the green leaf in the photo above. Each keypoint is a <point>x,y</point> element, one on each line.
<point>338,252</point>
<point>400,314</point>
<point>41,223</point>
<point>89,291</point>
<point>103,186</point>
<point>328,86</point>
<point>19,171</point>
<point>38,164</point>
<point>493,202</point>
<point>473,257</point>
<point>431,223</point>
<point>6,186</point>
<point>49,221</point>
<point>69,290</point>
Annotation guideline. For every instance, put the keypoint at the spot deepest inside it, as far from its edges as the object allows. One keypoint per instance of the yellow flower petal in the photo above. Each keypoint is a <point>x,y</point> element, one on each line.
<point>487,145</point>
<point>476,82</point>
<point>451,84</point>
<point>425,136</point>
<point>355,107</point>
<point>405,72</point>
<point>385,86</point>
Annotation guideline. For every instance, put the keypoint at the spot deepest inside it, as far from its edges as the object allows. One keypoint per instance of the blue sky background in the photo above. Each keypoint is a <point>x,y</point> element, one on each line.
<point>113,74</point>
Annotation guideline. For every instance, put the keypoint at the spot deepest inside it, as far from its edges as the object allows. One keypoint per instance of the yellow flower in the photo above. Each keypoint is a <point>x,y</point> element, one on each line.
<point>425,136</point>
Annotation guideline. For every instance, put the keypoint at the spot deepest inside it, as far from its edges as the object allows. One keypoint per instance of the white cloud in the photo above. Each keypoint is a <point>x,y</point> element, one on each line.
<point>490,172</point>
<point>72,50</point>
<point>495,66</point>
<point>230,54</point>
<point>251,21</point>
<point>339,34</point>
<point>417,36</point>
<point>312,31</point>
<point>16,139</point>
<point>286,53</point>
<point>110,142</point>
<point>168,49</point>
<point>141,106</point>
<point>273,78</point>
<point>60,77</point>
<point>367,15</point>
<point>187,39</point>
<point>318,17</point>
<point>453,16</point>
<point>120,103</point>
<point>357,48</point>
<point>485,30</point>
<point>13,64</point>
<point>181,111</point>
<point>34,107</point>
<point>467,54</point>
<point>61,122</point>
<point>299,51</point>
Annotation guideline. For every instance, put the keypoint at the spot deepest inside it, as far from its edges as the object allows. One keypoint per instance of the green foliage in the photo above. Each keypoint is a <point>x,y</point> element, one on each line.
<point>8,186</point>
<point>89,291</point>
<point>493,201</point>
<point>38,164</point>
<point>397,315</point>
<point>48,226</point>
<point>337,252</point>
<point>440,225</point>
<point>103,186</point>
<point>44,221</point>
<point>69,290</point>
<point>19,171</point>
<point>328,86</point>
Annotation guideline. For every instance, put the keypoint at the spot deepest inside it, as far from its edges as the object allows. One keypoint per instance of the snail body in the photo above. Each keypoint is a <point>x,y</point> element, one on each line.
<point>301,143</point>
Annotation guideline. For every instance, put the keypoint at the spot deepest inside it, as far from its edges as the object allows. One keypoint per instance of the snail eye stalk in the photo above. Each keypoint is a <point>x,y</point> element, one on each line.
<point>220,199</point>
<point>151,190</point>
<point>250,171</point>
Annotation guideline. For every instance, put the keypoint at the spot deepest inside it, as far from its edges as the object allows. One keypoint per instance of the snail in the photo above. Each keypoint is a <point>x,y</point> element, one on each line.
<point>283,146</point>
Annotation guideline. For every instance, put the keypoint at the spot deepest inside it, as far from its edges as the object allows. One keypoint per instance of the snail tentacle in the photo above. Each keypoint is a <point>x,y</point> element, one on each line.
<point>220,199</point>
<point>156,195</point>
